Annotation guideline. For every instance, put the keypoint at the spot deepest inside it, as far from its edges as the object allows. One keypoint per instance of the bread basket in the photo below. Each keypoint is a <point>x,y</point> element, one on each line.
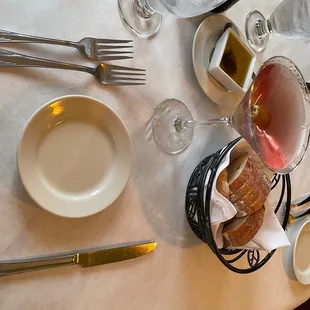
<point>198,213</point>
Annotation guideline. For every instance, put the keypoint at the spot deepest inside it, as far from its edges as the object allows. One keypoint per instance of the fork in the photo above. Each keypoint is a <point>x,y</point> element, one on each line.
<point>105,74</point>
<point>92,48</point>
<point>299,208</point>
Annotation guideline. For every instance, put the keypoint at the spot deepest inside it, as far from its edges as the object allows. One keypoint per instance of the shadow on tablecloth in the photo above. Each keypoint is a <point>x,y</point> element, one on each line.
<point>162,194</point>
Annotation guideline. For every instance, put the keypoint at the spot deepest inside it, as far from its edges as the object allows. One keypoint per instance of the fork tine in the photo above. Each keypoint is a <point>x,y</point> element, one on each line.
<point>109,47</point>
<point>120,79</point>
<point>124,84</point>
<point>111,41</point>
<point>120,68</point>
<point>126,73</point>
<point>113,52</point>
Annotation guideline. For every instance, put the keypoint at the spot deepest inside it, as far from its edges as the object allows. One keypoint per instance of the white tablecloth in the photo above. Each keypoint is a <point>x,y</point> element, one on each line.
<point>182,273</point>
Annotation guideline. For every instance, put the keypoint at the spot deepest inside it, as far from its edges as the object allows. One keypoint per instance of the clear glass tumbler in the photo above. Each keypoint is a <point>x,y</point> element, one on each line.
<point>291,19</point>
<point>143,17</point>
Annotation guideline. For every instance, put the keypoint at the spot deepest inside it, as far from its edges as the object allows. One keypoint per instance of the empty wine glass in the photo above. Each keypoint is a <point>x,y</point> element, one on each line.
<point>291,19</point>
<point>273,117</point>
<point>143,17</point>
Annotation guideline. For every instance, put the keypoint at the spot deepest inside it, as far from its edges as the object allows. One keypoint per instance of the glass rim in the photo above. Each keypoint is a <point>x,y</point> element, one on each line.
<point>305,92</point>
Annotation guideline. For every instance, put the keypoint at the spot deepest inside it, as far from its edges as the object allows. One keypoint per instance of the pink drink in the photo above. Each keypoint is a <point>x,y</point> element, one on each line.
<point>277,131</point>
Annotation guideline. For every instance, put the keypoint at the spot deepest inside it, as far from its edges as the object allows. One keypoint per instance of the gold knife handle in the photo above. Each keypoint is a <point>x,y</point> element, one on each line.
<point>36,263</point>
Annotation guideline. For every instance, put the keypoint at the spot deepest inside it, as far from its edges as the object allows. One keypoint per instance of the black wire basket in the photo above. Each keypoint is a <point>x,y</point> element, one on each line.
<point>198,212</point>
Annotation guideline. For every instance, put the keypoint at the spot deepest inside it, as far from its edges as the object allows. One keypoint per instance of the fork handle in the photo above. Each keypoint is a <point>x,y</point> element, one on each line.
<point>13,59</point>
<point>304,201</point>
<point>14,37</point>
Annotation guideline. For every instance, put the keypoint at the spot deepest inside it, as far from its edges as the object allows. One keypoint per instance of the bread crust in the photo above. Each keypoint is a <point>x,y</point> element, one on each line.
<point>222,184</point>
<point>242,230</point>
<point>249,186</point>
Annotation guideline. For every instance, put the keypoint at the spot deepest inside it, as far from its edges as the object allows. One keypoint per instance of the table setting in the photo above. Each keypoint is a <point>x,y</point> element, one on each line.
<point>169,149</point>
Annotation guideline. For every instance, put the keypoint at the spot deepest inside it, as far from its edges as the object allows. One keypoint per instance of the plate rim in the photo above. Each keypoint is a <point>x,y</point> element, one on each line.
<point>22,135</point>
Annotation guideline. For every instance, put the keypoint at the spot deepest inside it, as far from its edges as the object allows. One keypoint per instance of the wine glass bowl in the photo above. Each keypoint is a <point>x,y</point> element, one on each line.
<point>273,117</point>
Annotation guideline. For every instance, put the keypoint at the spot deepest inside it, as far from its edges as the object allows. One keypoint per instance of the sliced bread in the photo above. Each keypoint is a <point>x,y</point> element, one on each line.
<point>236,172</point>
<point>249,186</point>
<point>222,184</point>
<point>240,231</point>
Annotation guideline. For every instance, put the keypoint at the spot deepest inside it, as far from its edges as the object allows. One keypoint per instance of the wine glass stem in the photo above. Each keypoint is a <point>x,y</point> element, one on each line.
<point>144,9</point>
<point>263,27</point>
<point>181,125</point>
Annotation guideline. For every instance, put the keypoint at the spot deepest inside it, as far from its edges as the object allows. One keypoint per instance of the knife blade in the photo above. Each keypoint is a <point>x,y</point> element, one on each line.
<point>84,258</point>
<point>107,256</point>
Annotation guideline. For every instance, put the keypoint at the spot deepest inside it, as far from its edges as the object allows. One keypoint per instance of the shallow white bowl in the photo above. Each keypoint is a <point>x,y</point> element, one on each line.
<point>302,275</point>
<point>216,71</point>
<point>289,253</point>
<point>74,156</point>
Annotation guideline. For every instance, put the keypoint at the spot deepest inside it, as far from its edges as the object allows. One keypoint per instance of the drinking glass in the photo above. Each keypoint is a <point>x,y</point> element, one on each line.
<point>273,117</point>
<point>143,17</point>
<point>291,19</point>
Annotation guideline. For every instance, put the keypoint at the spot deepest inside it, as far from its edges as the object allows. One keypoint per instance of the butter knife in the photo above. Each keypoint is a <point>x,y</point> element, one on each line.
<point>84,258</point>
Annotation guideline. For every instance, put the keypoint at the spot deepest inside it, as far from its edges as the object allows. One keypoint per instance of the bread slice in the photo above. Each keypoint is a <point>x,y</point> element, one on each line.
<point>222,184</point>
<point>236,172</point>
<point>249,186</point>
<point>242,230</point>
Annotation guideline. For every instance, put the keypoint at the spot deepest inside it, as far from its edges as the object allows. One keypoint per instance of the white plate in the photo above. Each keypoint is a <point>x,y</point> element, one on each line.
<point>289,253</point>
<point>207,34</point>
<point>74,156</point>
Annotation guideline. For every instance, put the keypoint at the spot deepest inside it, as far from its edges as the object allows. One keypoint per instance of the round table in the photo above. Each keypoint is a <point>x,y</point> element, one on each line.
<point>182,273</point>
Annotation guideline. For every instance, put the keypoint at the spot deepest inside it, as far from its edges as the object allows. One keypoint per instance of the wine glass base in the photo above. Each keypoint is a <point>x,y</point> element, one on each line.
<point>163,125</point>
<point>253,22</point>
<point>144,27</point>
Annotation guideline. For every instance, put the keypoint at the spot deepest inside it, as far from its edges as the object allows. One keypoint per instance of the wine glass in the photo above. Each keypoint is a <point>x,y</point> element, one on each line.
<point>291,19</point>
<point>273,117</point>
<point>143,17</point>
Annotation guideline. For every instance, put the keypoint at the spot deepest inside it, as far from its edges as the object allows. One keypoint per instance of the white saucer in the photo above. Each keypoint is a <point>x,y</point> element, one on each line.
<point>74,156</point>
<point>207,34</point>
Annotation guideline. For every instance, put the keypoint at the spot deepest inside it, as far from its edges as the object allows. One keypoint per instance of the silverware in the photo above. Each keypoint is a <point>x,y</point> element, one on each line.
<point>92,48</point>
<point>105,74</point>
<point>85,258</point>
<point>299,208</point>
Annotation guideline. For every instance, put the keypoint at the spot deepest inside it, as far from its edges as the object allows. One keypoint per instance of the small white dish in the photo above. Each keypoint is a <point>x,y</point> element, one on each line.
<point>74,156</point>
<point>291,265</point>
<point>301,254</point>
<point>207,34</point>
<point>217,58</point>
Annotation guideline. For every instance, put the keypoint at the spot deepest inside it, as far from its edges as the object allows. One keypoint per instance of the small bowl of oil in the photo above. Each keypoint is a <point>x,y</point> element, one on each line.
<point>232,62</point>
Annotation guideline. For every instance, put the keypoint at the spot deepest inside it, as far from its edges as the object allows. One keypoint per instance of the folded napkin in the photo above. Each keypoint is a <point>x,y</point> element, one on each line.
<point>271,235</point>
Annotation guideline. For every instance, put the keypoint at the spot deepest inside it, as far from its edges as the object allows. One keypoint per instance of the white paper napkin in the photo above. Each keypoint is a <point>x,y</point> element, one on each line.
<point>270,236</point>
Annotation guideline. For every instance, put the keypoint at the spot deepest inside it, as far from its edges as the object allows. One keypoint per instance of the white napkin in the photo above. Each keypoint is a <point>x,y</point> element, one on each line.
<point>270,236</point>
